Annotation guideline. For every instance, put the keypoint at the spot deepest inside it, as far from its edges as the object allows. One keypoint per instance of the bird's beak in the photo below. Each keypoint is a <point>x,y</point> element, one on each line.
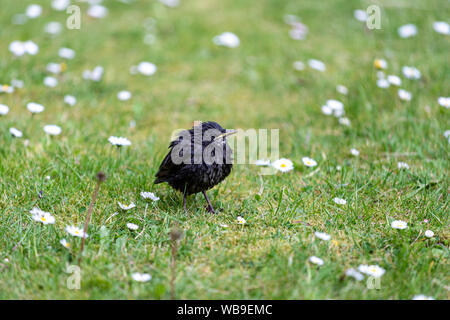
<point>226,134</point>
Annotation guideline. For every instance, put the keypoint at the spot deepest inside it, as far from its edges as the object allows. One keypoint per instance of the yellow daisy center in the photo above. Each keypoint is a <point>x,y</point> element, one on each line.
<point>283,165</point>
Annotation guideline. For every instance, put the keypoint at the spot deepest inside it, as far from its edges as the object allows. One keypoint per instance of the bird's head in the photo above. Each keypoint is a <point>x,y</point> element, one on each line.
<point>212,132</point>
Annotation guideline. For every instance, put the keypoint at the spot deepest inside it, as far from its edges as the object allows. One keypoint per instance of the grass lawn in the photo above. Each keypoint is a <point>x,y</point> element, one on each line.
<point>251,86</point>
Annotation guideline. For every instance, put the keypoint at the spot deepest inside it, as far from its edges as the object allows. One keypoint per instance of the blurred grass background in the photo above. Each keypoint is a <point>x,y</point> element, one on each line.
<point>252,86</point>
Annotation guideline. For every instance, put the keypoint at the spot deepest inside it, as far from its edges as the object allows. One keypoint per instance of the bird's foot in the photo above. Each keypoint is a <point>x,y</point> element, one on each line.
<point>210,209</point>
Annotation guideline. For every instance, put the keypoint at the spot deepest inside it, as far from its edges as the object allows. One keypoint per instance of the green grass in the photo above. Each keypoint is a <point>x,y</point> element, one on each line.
<point>252,86</point>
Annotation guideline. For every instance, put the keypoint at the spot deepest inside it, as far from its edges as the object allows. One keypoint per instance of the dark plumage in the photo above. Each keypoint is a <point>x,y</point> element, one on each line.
<point>199,159</point>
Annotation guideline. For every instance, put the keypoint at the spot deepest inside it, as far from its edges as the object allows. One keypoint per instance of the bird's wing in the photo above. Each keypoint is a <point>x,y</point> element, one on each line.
<point>167,167</point>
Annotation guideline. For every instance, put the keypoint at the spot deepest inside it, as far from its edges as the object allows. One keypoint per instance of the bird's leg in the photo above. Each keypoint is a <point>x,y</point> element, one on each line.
<point>184,201</point>
<point>210,207</point>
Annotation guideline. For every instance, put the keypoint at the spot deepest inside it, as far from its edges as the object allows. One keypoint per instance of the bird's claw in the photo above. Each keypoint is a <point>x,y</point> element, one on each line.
<point>210,209</point>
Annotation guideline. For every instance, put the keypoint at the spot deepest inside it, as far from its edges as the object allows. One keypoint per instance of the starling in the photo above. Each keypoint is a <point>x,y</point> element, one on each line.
<point>199,159</point>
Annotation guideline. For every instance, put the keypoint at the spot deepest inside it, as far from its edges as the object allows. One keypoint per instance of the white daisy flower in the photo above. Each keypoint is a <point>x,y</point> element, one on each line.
<point>241,220</point>
<point>316,260</point>
<point>124,95</point>
<point>354,152</point>
<point>35,107</point>
<point>326,110</point>
<point>340,201</point>
<point>50,82</point>
<point>380,64</point>
<point>411,72</point>
<point>119,141</point>
<point>4,109</point>
<point>42,216</point>
<point>54,68</point>
<point>354,274</point>
<point>402,165</point>
<point>33,11</point>
<point>399,224</point>
<point>132,226</point>
<point>53,28</point>
<point>31,47</point>
<point>317,65</point>
<point>444,102</point>
<point>64,243</point>
<point>52,129</point>
<point>298,31</point>
<point>447,133</point>
<point>309,162</point>
<point>383,83</point>
<point>407,31</point>
<point>404,95</point>
<point>227,39</point>
<point>95,75</point>
<point>17,48</point>
<point>429,234</point>
<point>422,297</point>
<point>141,277</point>
<point>441,27</point>
<point>360,15</point>
<point>372,270</point>
<point>394,80</point>
<point>97,11</point>
<point>170,3</point>
<point>126,207</point>
<point>344,121</point>
<point>342,89</point>
<point>60,5</point>
<point>16,83</point>
<point>76,232</point>
<point>298,65</point>
<point>283,165</point>
<point>336,106</point>
<point>322,236</point>
<point>263,162</point>
<point>146,68</point>
<point>70,100</point>
<point>149,195</point>
<point>66,53</point>
<point>15,133</point>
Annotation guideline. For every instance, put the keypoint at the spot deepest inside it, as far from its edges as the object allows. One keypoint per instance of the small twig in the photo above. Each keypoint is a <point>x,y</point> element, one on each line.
<point>100,178</point>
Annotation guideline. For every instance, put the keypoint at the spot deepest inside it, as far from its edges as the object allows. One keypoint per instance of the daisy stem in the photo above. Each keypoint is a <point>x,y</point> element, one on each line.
<point>100,178</point>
